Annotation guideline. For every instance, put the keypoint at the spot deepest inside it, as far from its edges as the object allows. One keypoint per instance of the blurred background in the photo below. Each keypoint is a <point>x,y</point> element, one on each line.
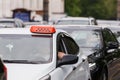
<point>50,10</point>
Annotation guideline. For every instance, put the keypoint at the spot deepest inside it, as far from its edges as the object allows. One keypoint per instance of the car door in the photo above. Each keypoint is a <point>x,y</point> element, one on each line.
<point>77,71</point>
<point>61,71</point>
<point>112,55</point>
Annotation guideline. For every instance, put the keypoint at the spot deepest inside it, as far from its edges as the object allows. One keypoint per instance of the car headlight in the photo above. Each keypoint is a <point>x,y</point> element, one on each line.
<point>47,77</point>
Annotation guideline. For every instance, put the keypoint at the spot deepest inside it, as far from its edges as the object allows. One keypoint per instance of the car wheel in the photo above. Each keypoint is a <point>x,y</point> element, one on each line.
<point>103,75</point>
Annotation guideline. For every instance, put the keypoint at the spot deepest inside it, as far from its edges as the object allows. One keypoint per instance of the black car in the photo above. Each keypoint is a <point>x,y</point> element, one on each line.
<point>102,49</point>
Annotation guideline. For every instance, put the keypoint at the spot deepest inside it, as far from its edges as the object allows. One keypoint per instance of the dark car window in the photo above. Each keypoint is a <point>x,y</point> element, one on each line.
<point>71,45</point>
<point>67,45</point>
<point>108,36</point>
<point>116,32</point>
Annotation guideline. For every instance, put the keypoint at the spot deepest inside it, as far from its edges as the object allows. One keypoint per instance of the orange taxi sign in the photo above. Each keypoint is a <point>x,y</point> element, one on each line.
<point>42,29</point>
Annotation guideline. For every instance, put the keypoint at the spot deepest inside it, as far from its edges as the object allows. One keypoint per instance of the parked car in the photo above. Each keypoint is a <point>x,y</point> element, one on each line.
<point>11,22</point>
<point>76,21</point>
<point>101,47</point>
<point>32,54</point>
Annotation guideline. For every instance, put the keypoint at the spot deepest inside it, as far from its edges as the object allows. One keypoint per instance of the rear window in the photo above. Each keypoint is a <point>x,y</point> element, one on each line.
<point>73,22</point>
<point>87,38</point>
<point>25,48</point>
<point>7,24</point>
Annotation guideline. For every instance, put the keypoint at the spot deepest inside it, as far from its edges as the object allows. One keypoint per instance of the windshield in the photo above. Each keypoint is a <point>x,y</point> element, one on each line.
<point>7,24</point>
<point>73,22</point>
<point>25,48</point>
<point>86,38</point>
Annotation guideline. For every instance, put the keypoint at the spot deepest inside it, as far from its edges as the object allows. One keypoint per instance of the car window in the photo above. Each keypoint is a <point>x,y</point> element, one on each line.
<point>71,46</point>
<point>60,46</point>
<point>25,48</point>
<point>116,32</point>
<point>7,24</point>
<point>73,22</point>
<point>87,38</point>
<point>67,45</point>
<point>108,36</point>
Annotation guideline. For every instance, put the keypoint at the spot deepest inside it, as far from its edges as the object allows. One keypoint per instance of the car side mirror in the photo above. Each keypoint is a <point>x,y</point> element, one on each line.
<point>112,45</point>
<point>68,59</point>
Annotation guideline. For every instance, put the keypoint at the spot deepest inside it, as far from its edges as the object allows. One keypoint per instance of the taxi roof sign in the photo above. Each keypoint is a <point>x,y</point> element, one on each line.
<point>42,29</point>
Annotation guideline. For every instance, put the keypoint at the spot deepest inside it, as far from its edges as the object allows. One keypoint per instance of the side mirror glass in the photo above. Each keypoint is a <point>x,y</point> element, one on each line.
<point>68,59</point>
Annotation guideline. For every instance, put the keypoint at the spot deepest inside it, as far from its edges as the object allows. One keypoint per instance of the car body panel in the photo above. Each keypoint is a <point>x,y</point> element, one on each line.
<point>27,71</point>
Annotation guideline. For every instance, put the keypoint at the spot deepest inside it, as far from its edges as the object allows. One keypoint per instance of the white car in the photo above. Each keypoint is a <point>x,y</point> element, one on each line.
<point>31,54</point>
<point>11,22</point>
<point>76,21</point>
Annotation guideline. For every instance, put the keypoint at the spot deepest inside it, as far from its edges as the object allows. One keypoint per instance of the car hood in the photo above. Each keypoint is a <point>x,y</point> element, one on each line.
<point>27,71</point>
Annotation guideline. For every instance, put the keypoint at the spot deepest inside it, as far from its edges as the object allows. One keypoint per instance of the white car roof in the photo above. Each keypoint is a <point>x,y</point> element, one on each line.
<point>15,31</point>
<point>76,18</point>
<point>23,31</point>
<point>77,26</point>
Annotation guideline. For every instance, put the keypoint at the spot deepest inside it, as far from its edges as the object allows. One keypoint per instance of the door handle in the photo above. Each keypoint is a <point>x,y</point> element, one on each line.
<point>74,68</point>
<point>83,60</point>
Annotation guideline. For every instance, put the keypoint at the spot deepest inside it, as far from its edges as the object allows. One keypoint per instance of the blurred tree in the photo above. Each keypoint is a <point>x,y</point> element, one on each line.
<point>102,9</point>
<point>72,7</point>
